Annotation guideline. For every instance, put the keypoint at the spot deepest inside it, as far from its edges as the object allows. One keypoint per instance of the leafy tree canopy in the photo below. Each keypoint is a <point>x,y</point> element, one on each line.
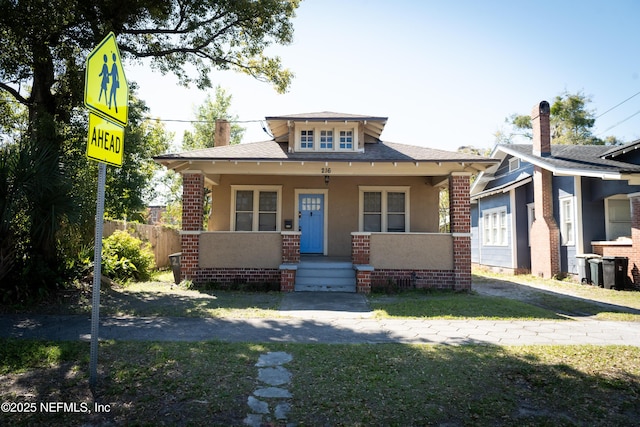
<point>571,123</point>
<point>206,114</point>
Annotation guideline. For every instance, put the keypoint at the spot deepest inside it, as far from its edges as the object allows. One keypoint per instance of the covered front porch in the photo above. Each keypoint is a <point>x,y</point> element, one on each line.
<point>419,254</point>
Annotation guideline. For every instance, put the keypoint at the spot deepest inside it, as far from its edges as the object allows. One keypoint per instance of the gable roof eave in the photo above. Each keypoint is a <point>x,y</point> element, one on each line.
<point>561,171</point>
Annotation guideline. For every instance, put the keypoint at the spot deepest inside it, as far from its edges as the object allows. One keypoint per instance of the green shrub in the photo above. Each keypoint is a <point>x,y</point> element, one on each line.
<point>125,258</point>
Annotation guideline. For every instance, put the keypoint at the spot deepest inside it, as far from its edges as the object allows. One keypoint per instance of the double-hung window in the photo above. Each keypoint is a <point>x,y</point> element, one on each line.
<point>306,139</point>
<point>346,140</point>
<point>618,217</point>
<point>566,221</point>
<point>494,226</point>
<point>384,209</point>
<point>256,208</point>
<point>326,140</point>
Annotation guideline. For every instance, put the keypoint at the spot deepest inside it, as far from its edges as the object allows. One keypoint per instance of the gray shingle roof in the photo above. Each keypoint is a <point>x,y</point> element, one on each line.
<point>572,158</point>
<point>271,150</point>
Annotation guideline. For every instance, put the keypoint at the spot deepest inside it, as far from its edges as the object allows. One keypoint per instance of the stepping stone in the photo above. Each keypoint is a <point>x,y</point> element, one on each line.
<point>282,410</point>
<point>274,376</point>
<point>258,406</point>
<point>276,392</point>
<point>253,420</point>
<point>274,359</point>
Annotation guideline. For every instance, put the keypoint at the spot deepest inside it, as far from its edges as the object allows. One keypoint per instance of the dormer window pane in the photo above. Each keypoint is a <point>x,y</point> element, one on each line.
<point>306,139</point>
<point>346,140</point>
<point>326,139</point>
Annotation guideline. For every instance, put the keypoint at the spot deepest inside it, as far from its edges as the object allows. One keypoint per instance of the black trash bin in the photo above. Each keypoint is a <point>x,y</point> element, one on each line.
<point>595,265</point>
<point>614,271</point>
<point>174,259</point>
<point>584,268</point>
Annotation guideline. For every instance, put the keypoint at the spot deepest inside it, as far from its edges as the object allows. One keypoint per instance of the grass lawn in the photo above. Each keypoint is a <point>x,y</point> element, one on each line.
<point>449,305</point>
<point>208,383</point>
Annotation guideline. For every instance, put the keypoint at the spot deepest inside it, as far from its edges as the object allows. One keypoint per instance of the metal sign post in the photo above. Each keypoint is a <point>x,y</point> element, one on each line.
<point>106,95</point>
<point>97,273</point>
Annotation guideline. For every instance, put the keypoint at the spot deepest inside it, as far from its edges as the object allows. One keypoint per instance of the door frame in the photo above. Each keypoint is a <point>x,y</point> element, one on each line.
<point>296,223</point>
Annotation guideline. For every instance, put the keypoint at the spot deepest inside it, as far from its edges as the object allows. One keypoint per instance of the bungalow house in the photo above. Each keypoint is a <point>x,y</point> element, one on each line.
<point>324,205</point>
<point>542,204</point>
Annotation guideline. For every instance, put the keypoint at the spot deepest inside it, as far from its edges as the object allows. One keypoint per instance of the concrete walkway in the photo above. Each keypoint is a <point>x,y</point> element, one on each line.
<point>325,329</point>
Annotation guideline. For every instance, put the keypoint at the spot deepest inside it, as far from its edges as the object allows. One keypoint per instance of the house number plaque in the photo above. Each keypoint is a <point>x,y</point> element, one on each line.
<point>326,170</point>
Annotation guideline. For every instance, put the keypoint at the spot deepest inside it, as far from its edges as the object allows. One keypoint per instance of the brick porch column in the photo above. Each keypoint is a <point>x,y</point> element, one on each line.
<point>460,220</point>
<point>290,260</point>
<point>360,252</point>
<point>192,211</point>
<point>634,259</point>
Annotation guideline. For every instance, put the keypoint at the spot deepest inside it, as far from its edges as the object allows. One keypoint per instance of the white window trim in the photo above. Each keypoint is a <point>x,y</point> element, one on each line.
<point>384,190</point>
<point>502,228</point>
<point>563,237</point>
<point>256,205</point>
<point>317,128</point>
<point>607,219</point>
<point>531,216</point>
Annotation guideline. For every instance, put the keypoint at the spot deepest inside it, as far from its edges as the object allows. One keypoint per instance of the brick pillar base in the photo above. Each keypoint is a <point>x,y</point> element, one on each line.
<point>290,247</point>
<point>287,280</point>
<point>189,259</point>
<point>363,281</point>
<point>462,262</point>
<point>360,248</point>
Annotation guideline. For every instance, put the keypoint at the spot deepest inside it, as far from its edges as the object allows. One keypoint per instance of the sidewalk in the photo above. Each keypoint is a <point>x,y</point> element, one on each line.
<point>325,329</point>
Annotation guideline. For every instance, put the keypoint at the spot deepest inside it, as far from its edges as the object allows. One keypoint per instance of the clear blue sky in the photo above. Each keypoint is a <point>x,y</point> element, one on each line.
<point>445,73</point>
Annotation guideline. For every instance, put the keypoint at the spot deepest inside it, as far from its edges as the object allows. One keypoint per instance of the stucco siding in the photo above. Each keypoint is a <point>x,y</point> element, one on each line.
<point>411,251</point>
<point>240,250</point>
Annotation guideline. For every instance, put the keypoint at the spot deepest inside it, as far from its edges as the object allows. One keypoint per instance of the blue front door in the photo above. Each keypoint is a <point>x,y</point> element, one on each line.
<point>311,222</point>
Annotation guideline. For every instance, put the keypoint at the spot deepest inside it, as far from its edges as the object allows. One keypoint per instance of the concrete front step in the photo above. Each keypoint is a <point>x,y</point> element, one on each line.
<point>325,275</point>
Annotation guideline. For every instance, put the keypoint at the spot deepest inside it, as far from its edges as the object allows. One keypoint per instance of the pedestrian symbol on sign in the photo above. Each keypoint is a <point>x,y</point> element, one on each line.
<point>106,89</point>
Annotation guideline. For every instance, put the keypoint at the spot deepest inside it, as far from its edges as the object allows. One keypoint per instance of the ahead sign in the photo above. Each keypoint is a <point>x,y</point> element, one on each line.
<point>106,91</point>
<point>106,141</point>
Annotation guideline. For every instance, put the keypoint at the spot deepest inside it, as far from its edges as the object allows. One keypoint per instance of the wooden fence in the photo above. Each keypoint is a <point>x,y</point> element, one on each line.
<point>164,241</point>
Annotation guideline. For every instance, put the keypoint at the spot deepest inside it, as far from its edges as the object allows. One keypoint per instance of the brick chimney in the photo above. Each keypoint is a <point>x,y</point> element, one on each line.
<point>541,129</point>
<point>223,133</point>
<point>545,234</point>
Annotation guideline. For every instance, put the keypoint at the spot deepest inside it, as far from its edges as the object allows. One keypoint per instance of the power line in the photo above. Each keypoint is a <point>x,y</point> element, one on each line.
<point>619,123</point>
<point>617,105</point>
<point>198,121</point>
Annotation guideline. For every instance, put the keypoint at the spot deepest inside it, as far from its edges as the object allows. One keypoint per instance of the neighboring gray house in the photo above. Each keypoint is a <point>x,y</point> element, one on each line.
<point>585,190</point>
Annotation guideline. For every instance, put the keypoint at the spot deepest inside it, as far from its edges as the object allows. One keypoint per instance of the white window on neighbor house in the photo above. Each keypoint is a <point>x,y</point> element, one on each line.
<point>531,216</point>
<point>255,208</point>
<point>617,217</point>
<point>384,209</point>
<point>494,226</point>
<point>514,164</point>
<point>327,137</point>
<point>567,221</point>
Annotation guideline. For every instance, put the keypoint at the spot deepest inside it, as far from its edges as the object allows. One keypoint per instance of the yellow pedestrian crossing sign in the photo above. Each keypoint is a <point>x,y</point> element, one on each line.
<point>106,91</point>
<point>105,142</point>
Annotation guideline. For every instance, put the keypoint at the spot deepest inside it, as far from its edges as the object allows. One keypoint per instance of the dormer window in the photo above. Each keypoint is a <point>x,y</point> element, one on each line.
<point>346,140</point>
<point>306,139</point>
<point>326,137</point>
